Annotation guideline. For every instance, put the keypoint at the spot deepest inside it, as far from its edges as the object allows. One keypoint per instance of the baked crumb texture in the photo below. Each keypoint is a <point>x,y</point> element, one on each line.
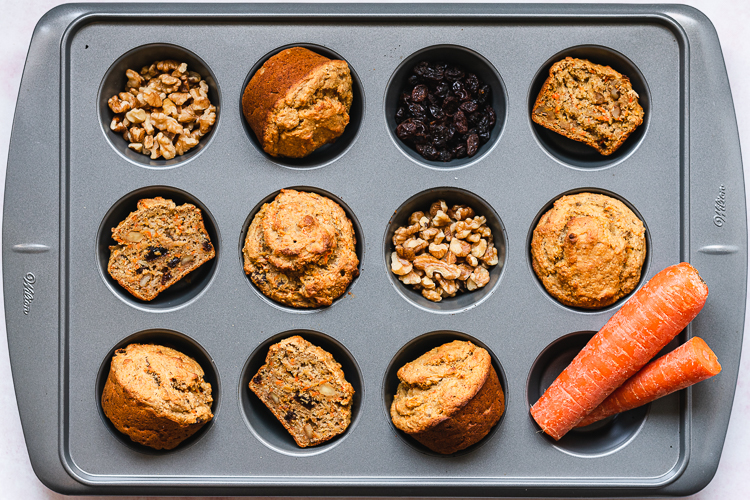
<point>589,103</point>
<point>157,245</point>
<point>588,250</point>
<point>300,250</point>
<point>449,398</point>
<point>156,395</point>
<point>306,390</point>
<point>298,101</point>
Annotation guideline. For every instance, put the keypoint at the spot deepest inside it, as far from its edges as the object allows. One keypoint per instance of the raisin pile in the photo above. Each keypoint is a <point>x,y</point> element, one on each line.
<point>444,112</point>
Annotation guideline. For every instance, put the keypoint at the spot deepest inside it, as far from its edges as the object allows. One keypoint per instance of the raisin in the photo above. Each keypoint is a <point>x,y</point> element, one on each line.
<point>453,73</point>
<point>259,278</point>
<point>419,93</point>
<point>207,246</point>
<point>141,269</point>
<point>469,106</point>
<point>166,277</point>
<point>173,262</point>
<point>472,144</point>
<point>400,114</point>
<point>428,151</point>
<point>437,112</point>
<point>459,120</point>
<point>290,415</point>
<point>258,379</point>
<point>155,252</point>
<point>304,399</point>
<point>443,111</point>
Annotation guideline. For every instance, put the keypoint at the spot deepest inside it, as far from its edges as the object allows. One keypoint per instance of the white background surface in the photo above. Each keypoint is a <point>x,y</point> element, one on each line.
<point>17,480</point>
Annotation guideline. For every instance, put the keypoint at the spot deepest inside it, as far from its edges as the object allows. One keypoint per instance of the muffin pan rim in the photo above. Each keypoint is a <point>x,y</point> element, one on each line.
<point>636,486</point>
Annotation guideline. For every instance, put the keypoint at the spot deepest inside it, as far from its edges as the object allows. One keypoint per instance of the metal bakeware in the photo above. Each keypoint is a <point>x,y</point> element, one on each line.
<point>69,180</point>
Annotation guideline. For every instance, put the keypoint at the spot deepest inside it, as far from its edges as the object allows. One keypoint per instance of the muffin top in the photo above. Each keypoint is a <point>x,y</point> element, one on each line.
<point>588,250</point>
<point>300,249</point>
<point>168,381</point>
<point>437,384</point>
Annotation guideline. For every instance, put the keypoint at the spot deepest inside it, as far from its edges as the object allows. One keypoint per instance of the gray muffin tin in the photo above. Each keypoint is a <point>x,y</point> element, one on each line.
<point>70,179</point>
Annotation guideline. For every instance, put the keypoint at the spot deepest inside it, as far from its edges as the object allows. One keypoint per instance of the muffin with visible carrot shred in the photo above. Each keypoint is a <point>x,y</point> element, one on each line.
<point>306,390</point>
<point>588,250</point>
<point>449,398</point>
<point>158,245</point>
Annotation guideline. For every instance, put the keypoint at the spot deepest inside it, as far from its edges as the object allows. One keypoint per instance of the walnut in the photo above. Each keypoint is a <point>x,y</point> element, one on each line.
<point>179,98</point>
<point>403,233</point>
<point>430,265</point>
<point>479,248</point>
<point>461,212</point>
<point>444,252</point>
<point>412,278</point>
<point>134,79</point>
<point>121,103</point>
<point>441,219</point>
<point>137,115</point>
<point>460,248</point>
<point>164,122</point>
<point>184,143</point>
<point>207,119</point>
<point>481,276</point>
<point>415,217</point>
<point>137,134</point>
<point>438,250</point>
<point>154,100</point>
<point>400,266</point>
<point>117,126</point>
<point>169,108</point>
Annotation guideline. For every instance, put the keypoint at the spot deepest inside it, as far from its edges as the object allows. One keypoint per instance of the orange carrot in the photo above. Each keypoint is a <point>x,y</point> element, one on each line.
<point>689,364</point>
<point>646,323</point>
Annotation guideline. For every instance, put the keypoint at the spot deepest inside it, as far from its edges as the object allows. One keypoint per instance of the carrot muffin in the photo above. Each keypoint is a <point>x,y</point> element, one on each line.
<point>300,250</point>
<point>156,395</point>
<point>298,101</point>
<point>449,398</point>
<point>157,245</point>
<point>588,250</point>
<point>588,102</point>
<point>306,390</point>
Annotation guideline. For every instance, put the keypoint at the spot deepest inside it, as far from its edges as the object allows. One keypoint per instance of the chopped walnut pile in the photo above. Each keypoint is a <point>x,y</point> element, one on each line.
<point>444,252</point>
<point>164,110</point>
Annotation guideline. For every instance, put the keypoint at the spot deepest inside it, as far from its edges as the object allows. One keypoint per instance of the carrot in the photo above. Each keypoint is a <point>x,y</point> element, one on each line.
<point>689,364</point>
<point>646,323</point>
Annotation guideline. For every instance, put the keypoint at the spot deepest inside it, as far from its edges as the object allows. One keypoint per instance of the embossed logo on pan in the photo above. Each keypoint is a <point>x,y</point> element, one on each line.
<point>28,291</point>
<point>720,207</point>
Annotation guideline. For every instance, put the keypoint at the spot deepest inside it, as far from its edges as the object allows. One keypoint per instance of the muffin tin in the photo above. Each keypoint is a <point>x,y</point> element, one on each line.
<point>70,180</point>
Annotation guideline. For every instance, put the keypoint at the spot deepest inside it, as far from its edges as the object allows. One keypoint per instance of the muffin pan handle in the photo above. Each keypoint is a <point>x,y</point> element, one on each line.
<point>718,241</point>
<point>32,227</point>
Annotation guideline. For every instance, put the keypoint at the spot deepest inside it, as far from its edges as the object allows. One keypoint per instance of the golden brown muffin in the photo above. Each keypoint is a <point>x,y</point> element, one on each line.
<point>588,250</point>
<point>449,398</point>
<point>158,245</point>
<point>305,389</point>
<point>156,395</point>
<point>589,103</point>
<point>298,101</point>
<point>300,250</point>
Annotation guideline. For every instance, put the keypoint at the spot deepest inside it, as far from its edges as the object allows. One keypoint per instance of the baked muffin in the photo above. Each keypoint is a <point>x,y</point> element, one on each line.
<point>588,102</point>
<point>158,245</point>
<point>298,101</point>
<point>156,395</point>
<point>305,389</point>
<point>300,250</point>
<point>588,250</point>
<point>449,398</point>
